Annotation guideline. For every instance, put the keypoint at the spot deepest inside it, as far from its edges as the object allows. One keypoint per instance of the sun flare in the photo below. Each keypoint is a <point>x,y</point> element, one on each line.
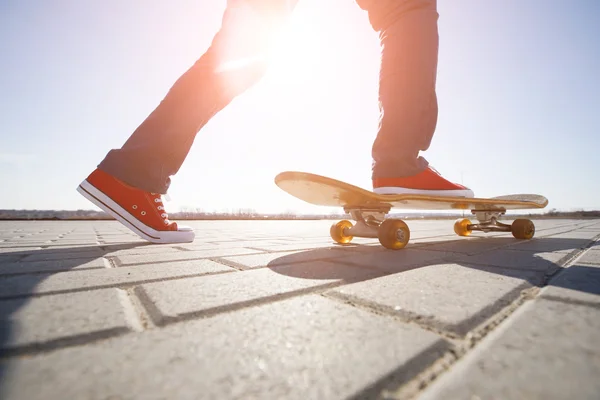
<point>288,48</point>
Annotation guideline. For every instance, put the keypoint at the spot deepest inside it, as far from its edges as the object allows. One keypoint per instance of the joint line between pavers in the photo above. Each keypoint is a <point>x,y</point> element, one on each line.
<point>452,239</point>
<point>480,319</point>
<point>456,353</point>
<point>494,266</point>
<point>412,388</point>
<point>225,242</point>
<point>147,306</point>
<point>399,315</point>
<point>591,264</point>
<point>430,247</point>
<point>25,245</point>
<point>109,286</point>
<point>161,320</point>
<point>54,271</point>
<point>559,233</point>
<point>382,270</point>
<point>69,341</point>
<point>109,262</point>
<point>300,248</point>
<point>259,249</point>
<point>454,332</point>
<point>210,258</point>
<point>481,331</point>
<point>134,316</point>
<point>570,259</point>
<point>561,264</point>
<point>241,267</point>
<point>385,386</point>
<point>180,248</point>
<point>227,263</point>
<point>573,301</point>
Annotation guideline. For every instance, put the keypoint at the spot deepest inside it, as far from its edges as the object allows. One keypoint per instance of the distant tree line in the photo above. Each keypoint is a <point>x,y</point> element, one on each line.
<point>185,214</point>
<point>247,214</point>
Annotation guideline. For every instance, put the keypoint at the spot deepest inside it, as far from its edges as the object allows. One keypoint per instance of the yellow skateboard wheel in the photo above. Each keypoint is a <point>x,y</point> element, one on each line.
<point>522,229</point>
<point>338,233</point>
<point>461,227</point>
<point>393,234</point>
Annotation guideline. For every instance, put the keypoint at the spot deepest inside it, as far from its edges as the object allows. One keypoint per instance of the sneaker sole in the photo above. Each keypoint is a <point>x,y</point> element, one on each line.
<point>444,193</point>
<point>101,200</point>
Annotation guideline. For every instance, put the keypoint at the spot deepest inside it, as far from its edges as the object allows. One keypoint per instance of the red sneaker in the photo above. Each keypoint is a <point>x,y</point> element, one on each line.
<point>140,211</point>
<point>428,182</point>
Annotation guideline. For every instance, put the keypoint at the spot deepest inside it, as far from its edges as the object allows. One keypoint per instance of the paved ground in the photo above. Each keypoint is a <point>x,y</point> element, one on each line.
<point>273,310</point>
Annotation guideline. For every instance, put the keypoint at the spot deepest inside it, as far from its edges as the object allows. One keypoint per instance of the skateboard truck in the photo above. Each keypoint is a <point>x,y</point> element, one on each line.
<point>367,221</point>
<point>488,221</point>
<point>371,223</point>
<point>395,234</point>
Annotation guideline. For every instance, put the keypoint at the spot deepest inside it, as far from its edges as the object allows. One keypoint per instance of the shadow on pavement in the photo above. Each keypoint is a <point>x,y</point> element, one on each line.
<point>525,265</point>
<point>32,273</point>
<point>374,260</point>
<point>463,252</point>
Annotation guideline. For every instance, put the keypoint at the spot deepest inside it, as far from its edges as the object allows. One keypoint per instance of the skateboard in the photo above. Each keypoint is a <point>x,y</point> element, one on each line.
<point>369,209</point>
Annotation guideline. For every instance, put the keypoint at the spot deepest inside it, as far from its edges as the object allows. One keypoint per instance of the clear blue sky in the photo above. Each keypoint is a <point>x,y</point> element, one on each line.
<point>518,85</point>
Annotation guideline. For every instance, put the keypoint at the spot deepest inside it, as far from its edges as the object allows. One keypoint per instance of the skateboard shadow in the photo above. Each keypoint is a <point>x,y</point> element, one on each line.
<point>529,263</point>
<point>347,264</point>
<point>22,271</point>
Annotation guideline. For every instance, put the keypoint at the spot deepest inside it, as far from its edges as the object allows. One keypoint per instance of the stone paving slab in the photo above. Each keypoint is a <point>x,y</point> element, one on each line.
<point>447,297</point>
<point>7,251</point>
<point>590,257</point>
<point>18,268</point>
<point>139,259</point>
<point>469,245</point>
<point>578,283</point>
<point>262,260</point>
<point>551,243</point>
<point>389,261</point>
<point>429,239</point>
<point>532,356</point>
<point>280,350</point>
<point>274,309</point>
<point>23,285</point>
<point>69,252</point>
<point>547,262</point>
<point>295,246</point>
<point>180,299</point>
<point>74,317</point>
<point>147,249</point>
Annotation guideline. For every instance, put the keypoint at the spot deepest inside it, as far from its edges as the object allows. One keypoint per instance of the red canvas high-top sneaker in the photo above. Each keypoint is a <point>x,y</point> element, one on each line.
<point>140,211</point>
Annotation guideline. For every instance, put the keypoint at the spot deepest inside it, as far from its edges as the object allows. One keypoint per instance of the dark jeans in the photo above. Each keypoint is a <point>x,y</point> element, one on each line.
<point>234,61</point>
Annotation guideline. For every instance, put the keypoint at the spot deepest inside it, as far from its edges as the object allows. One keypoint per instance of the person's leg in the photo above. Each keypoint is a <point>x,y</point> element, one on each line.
<point>129,182</point>
<point>408,33</point>
<point>234,61</point>
<point>409,39</point>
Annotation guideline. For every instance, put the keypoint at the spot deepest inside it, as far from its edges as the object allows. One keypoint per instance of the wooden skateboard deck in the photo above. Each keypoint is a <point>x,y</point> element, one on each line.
<point>369,208</point>
<point>323,191</point>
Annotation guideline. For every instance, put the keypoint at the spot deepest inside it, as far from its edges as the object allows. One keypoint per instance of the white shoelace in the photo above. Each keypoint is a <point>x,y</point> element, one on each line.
<point>161,207</point>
